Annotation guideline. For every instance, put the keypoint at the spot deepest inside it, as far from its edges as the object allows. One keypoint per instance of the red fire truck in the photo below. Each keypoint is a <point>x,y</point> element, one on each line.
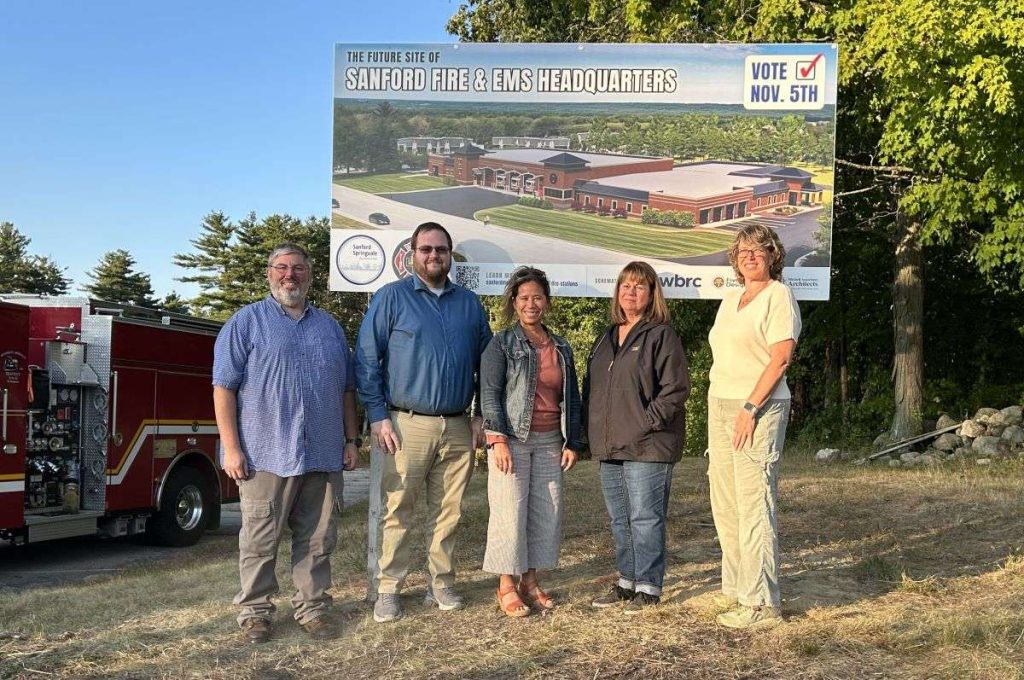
<point>107,422</point>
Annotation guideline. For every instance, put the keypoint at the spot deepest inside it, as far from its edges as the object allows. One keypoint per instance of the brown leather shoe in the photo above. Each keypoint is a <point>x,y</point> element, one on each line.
<point>256,631</point>
<point>320,628</point>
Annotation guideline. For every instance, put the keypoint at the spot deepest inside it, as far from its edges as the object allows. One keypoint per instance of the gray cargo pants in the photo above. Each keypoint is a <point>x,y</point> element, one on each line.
<point>305,504</point>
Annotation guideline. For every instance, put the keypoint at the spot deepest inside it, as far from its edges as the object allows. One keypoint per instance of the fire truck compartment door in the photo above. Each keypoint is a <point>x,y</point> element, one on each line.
<point>15,385</point>
<point>130,455</point>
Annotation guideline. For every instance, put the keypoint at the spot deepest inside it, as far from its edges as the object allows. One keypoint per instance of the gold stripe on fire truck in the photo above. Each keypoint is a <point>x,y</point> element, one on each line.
<point>148,423</point>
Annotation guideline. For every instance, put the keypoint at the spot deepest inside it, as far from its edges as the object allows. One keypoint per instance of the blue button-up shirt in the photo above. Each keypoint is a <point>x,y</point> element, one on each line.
<point>290,376</point>
<point>420,351</point>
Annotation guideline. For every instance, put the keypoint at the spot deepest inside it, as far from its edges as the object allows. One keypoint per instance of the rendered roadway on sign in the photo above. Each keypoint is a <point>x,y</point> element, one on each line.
<point>492,243</point>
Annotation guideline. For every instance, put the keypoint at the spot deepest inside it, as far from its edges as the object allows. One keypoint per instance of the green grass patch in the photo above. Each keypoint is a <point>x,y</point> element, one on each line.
<point>391,183</point>
<point>627,236</point>
<point>345,222</point>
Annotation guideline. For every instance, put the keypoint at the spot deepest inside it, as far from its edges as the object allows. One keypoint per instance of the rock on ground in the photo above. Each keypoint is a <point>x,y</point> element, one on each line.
<point>987,445</point>
<point>971,428</point>
<point>827,456</point>
<point>1014,434</point>
<point>983,414</point>
<point>1012,415</point>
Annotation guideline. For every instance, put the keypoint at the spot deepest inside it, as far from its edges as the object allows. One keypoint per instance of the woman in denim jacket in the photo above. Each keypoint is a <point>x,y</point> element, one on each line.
<point>531,407</point>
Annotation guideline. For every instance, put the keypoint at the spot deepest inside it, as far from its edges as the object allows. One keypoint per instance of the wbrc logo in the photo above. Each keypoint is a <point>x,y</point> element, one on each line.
<point>670,280</point>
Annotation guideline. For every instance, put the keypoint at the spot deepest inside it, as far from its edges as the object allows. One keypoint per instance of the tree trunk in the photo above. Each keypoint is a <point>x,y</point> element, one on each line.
<point>844,371</point>
<point>908,313</point>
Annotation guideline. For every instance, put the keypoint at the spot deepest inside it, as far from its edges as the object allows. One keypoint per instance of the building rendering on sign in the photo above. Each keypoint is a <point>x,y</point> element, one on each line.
<point>530,142</point>
<point>712,191</point>
<point>432,144</point>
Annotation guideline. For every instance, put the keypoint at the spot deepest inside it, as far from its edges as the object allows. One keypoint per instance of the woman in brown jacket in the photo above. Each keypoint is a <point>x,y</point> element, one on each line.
<point>634,398</point>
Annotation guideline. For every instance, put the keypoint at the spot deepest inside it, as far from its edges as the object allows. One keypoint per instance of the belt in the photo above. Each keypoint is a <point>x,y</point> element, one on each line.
<point>428,415</point>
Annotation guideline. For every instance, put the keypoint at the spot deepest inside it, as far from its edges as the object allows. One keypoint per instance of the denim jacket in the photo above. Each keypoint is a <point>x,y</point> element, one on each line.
<point>508,386</point>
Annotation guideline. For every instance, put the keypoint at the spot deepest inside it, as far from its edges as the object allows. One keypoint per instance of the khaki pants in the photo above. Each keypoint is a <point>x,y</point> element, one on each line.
<point>305,504</point>
<point>744,489</point>
<point>435,451</point>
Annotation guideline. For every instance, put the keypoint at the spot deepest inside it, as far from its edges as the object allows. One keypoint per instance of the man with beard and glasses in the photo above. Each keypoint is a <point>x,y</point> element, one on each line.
<point>284,394</point>
<point>417,360</point>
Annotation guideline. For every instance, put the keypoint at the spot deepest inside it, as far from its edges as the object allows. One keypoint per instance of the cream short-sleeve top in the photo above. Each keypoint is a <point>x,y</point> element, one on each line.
<point>741,338</point>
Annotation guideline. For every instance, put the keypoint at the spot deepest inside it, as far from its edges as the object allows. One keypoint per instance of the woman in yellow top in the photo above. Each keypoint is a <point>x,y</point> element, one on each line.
<point>752,344</point>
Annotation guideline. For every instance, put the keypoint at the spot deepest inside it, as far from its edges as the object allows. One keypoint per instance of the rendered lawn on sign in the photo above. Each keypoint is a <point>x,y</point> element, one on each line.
<point>886,573</point>
<point>628,236</point>
<point>392,183</point>
<point>343,222</point>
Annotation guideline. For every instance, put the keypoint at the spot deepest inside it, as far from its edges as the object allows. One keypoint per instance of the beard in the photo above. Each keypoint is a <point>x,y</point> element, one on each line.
<point>429,279</point>
<point>289,298</point>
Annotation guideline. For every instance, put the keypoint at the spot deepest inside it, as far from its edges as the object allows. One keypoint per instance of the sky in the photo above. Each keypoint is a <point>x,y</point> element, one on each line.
<point>124,123</point>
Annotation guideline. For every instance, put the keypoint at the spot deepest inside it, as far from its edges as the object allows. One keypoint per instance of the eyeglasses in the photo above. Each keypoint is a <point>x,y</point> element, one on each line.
<point>296,268</point>
<point>426,250</point>
<point>747,252</point>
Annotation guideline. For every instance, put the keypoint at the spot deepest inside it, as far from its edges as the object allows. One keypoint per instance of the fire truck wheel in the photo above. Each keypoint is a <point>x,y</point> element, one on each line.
<point>185,509</point>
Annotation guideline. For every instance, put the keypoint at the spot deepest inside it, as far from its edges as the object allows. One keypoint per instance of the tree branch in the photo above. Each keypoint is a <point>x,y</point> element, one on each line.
<point>841,194</point>
<point>891,169</point>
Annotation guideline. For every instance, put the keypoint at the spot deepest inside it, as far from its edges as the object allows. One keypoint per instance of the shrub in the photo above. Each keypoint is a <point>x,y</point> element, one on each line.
<point>669,218</point>
<point>450,181</point>
<point>536,202</point>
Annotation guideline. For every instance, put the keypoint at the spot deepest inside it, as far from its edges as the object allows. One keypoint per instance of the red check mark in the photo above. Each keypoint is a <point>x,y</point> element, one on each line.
<point>806,72</point>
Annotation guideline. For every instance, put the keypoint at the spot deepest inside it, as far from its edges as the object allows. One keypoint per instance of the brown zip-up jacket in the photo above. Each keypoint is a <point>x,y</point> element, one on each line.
<point>634,396</point>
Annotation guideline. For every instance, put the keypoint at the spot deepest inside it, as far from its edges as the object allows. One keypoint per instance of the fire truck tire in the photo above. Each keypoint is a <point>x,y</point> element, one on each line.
<point>185,509</point>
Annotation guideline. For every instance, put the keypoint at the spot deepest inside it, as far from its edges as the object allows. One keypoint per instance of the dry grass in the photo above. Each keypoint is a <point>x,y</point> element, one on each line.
<point>893,574</point>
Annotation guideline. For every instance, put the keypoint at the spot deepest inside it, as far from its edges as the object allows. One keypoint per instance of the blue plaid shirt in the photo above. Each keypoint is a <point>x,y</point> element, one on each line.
<point>290,376</point>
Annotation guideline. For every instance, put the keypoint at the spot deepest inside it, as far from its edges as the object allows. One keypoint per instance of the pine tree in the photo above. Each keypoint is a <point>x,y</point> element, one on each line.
<point>173,302</point>
<point>24,273</point>
<point>115,279</point>
<point>213,260</point>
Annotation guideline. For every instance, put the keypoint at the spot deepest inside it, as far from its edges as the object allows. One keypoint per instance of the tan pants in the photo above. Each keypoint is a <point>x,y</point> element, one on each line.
<point>744,488</point>
<point>305,504</point>
<point>437,452</point>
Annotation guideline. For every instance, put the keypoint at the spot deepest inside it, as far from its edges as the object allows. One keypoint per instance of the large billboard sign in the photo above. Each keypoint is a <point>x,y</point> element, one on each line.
<point>580,158</point>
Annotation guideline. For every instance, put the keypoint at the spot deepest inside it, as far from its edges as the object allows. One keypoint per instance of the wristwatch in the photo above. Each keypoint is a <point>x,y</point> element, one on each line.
<point>354,440</point>
<point>750,408</point>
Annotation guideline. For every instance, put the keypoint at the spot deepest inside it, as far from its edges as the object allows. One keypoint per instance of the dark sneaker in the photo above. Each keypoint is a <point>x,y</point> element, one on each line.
<point>256,631</point>
<point>640,602</point>
<point>320,628</point>
<point>616,595</point>
<point>445,599</point>
<point>387,608</point>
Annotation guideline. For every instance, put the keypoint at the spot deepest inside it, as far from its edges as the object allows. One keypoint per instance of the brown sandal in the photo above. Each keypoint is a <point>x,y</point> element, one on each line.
<point>511,604</point>
<point>533,594</point>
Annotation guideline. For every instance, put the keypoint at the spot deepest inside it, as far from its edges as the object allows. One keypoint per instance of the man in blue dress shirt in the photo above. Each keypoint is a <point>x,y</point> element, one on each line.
<point>284,394</point>
<point>417,359</point>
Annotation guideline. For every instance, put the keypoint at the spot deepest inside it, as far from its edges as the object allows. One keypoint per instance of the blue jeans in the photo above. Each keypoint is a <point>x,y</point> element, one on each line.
<point>636,495</point>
